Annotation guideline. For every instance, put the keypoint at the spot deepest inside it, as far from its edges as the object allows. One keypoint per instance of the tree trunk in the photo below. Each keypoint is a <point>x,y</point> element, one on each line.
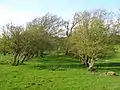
<point>91,64</point>
<point>4,53</point>
<point>18,60</point>
<point>32,56</point>
<point>76,55</point>
<point>41,53</point>
<point>14,59</point>
<point>37,54</point>
<point>85,60</point>
<point>66,52</point>
<point>27,57</point>
<point>23,59</point>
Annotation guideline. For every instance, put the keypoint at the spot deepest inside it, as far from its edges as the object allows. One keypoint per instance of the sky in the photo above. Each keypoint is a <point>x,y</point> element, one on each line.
<point>22,11</point>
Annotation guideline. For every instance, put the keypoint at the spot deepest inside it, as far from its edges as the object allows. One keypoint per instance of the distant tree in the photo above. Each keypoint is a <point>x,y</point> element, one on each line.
<point>69,27</point>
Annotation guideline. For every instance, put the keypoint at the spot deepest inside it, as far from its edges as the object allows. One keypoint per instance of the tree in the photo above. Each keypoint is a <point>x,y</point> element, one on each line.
<point>91,39</point>
<point>37,37</point>
<point>69,26</point>
<point>51,23</point>
<point>12,42</point>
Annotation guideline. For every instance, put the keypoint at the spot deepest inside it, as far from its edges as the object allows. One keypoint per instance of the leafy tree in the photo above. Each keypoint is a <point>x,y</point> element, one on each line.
<point>91,39</point>
<point>38,36</point>
<point>11,40</point>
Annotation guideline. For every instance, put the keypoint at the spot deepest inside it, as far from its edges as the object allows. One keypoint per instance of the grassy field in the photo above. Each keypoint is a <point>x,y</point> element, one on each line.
<point>58,73</point>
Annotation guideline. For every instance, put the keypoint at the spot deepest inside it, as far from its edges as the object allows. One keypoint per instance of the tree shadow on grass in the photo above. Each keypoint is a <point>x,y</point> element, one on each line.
<point>62,62</point>
<point>59,63</point>
<point>58,59</point>
<point>108,66</point>
<point>115,69</point>
<point>59,67</point>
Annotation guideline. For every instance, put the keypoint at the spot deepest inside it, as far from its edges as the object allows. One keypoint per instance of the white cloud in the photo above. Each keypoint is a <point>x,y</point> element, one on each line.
<point>8,15</point>
<point>20,18</point>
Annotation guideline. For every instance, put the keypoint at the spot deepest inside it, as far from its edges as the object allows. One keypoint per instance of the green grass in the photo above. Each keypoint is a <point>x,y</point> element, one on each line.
<point>58,73</point>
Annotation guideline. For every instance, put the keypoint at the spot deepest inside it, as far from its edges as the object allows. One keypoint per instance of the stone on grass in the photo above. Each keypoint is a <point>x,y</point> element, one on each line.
<point>111,73</point>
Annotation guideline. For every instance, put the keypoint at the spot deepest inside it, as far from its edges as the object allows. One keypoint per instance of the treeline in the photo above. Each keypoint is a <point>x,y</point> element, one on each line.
<point>88,35</point>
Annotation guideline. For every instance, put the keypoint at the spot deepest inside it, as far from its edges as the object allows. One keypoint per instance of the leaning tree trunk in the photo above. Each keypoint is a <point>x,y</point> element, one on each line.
<point>15,59</point>
<point>27,58</point>
<point>85,60</point>
<point>18,60</point>
<point>32,56</point>
<point>91,64</point>
<point>23,59</point>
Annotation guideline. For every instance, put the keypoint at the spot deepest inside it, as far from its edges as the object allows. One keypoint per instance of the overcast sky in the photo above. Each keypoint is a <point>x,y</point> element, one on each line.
<point>22,11</point>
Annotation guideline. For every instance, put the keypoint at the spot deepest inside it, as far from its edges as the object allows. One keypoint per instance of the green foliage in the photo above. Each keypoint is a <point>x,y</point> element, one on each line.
<point>91,37</point>
<point>37,37</point>
<point>87,35</point>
